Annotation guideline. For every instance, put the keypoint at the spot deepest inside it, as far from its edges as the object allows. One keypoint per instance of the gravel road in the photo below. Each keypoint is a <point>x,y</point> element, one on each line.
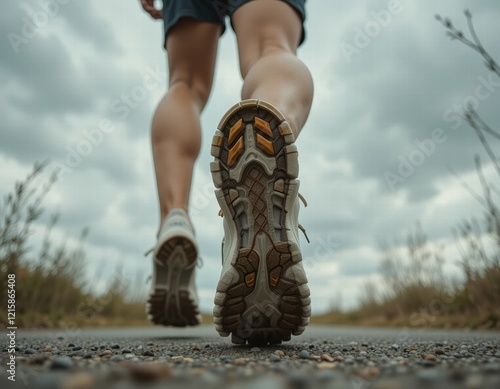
<point>355,358</point>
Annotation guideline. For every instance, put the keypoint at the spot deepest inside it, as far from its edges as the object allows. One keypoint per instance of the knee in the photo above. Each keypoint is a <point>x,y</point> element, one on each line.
<point>198,91</point>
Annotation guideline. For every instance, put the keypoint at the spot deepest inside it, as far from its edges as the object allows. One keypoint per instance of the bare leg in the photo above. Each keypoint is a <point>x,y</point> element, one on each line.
<point>176,134</point>
<point>268,33</point>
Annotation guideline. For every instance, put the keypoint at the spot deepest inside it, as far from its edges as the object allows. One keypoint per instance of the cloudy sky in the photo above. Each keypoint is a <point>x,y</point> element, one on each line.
<point>383,130</point>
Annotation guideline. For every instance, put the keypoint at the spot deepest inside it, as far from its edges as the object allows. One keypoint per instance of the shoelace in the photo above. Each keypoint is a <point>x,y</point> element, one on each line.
<point>221,214</point>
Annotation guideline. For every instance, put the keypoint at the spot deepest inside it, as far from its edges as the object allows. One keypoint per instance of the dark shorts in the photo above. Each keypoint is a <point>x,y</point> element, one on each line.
<point>214,11</point>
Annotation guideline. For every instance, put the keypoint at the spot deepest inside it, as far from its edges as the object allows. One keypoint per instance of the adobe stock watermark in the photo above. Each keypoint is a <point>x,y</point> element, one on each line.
<point>32,25</point>
<point>324,251</point>
<point>485,88</point>
<point>363,36</point>
<point>121,107</point>
<point>407,165</point>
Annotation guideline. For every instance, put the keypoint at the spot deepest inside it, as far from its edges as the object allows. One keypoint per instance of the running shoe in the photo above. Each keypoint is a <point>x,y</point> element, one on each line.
<point>173,300</point>
<point>262,296</point>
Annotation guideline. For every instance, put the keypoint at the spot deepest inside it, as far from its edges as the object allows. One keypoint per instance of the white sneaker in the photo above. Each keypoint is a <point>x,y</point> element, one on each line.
<point>262,296</point>
<point>173,299</point>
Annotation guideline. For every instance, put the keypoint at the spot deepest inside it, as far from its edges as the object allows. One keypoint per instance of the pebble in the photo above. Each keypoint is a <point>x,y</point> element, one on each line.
<point>280,353</point>
<point>274,358</point>
<point>304,354</point>
<point>29,351</point>
<point>326,365</point>
<point>115,346</point>
<point>117,358</point>
<point>240,361</point>
<point>106,353</point>
<point>147,372</point>
<point>395,346</point>
<point>429,357</point>
<point>327,358</point>
<point>148,353</point>
<point>79,381</point>
<point>126,351</point>
<point>77,348</point>
<point>61,363</point>
<point>255,349</point>
<point>370,373</point>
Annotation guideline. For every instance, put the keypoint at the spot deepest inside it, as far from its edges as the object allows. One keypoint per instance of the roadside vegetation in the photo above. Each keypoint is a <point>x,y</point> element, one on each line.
<point>51,286</point>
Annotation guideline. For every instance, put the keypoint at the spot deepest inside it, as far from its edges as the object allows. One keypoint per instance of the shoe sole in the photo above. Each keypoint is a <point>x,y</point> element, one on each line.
<point>263,297</point>
<point>171,303</point>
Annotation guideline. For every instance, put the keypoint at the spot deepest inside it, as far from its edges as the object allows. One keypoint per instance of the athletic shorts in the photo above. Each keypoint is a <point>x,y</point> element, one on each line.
<point>214,11</point>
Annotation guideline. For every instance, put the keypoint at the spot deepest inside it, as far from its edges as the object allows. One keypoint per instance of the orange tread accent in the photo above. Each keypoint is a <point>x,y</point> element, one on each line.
<point>218,141</point>
<point>274,281</point>
<point>250,280</point>
<point>265,145</point>
<point>235,131</point>
<point>235,152</point>
<point>263,126</point>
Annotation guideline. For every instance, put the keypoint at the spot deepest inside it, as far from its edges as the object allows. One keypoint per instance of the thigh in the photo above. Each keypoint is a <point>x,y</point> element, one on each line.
<point>265,25</point>
<point>192,50</point>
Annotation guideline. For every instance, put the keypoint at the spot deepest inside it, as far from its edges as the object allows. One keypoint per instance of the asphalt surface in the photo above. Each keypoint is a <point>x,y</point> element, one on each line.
<point>323,357</point>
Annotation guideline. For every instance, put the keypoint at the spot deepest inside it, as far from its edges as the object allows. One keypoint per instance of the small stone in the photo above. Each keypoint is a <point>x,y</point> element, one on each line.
<point>38,360</point>
<point>370,373</point>
<point>77,348</point>
<point>129,356</point>
<point>338,358</point>
<point>79,381</point>
<point>349,360</point>
<point>176,357</point>
<point>279,353</point>
<point>148,353</point>
<point>326,365</point>
<point>61,363</point>
<point>78,353</point>
<point>439,351</point>
<point>311,346</point>
<point>188,360</point>
<point>147,372</point>
<point>395,346</point>
<point>240,361</point>
<point>115,346</point>
<point>117,358</point>
<point>126,351</point>
<point>274,358</point>
<point>363,353</point>
<point>71,345</point>
<point>106,353</point>
<point>428,375</point>
<point>327,357</point>
<point>48,348</point>
<point>430,357</point>
<point>255,349</point>
<point>29,351</point>
<point>195,348</point>
<point>87,356</point>
<point>304,354</point>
